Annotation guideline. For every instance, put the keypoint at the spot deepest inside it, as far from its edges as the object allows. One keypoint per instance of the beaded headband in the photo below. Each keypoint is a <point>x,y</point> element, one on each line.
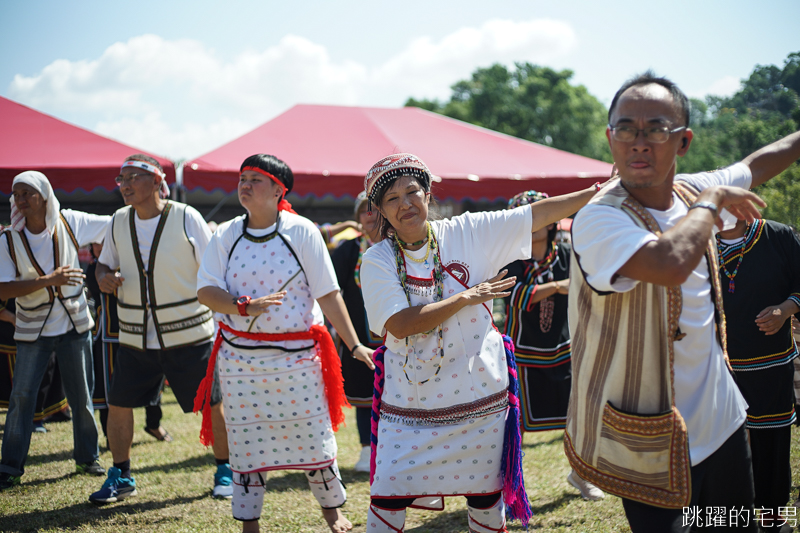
<point>390,168</point>
<point>144,166</point>
<point>527,197</point>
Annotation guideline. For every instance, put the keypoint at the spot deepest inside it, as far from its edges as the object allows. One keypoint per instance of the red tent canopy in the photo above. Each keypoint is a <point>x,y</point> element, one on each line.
<point>331,148</point>
<point>71,157</point>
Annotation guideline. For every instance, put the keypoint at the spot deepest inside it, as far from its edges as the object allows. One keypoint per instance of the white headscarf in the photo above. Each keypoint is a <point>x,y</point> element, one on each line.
<point>38,181</point>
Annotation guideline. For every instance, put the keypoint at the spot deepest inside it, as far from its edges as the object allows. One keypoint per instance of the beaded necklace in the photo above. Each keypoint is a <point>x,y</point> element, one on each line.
<point>426,240</point>
<point>728,252</point>
<point>438,281</point>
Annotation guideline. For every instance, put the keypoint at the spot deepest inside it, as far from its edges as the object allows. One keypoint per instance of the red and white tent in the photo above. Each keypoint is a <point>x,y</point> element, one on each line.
<point>331,148</point>
<point>72,158</point>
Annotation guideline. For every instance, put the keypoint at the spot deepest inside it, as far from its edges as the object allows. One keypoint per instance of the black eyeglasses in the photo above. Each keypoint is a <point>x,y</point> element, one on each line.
<point>654,134</point>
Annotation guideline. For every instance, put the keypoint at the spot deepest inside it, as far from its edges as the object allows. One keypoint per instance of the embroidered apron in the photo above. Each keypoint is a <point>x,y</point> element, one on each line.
<point>276,413</point>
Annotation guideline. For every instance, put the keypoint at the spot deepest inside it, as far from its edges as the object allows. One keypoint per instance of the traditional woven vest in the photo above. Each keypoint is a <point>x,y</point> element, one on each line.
<point>624,433</point>
<point>169,283</point>
<point>34,308</point>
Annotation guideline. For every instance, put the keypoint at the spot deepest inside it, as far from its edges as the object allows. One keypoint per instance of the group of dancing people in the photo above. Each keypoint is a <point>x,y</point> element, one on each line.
<point>620,340</point>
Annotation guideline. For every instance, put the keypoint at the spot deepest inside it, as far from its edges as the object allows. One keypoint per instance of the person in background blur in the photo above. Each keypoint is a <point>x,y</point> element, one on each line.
<point>536,321</point>
<point>358,377</point>
<point>39,267</point>
<point>759,265</point>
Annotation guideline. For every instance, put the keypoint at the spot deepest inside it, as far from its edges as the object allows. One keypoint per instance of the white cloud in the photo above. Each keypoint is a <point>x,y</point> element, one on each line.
<point>179,98</point>
<point>725,86</point>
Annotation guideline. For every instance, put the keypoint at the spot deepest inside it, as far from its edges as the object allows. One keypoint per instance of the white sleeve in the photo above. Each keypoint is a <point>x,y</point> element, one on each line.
<point>198,232</point>
<point>737,175</point>
<point>493,238</point>
<point>109,256</point>
<point>604,239</point>
<point>7,270</point>
<point>380,286</point>
<point>88,228</point>
<point>316,262</point>
<point>213,266</point>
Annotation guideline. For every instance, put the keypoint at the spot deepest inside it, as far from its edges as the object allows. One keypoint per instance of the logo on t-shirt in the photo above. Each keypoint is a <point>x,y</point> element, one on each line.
<point>458,271</point>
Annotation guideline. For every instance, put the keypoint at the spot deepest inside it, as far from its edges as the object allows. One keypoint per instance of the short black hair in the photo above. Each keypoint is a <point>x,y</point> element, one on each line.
<point>273,165</point>
<point>147,159</point>
<point>646,78</point>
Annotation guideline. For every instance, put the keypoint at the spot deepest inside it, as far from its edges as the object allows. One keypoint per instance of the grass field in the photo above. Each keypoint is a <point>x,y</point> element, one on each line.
<point>174,484</point>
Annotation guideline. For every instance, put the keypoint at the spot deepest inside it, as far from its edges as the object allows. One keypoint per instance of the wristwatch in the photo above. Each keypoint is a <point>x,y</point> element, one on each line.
<point>711,206</point>
<point>241,303</point>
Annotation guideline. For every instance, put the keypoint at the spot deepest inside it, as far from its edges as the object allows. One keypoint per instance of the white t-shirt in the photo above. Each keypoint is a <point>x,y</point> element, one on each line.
<point>473,248</point>
<point>304,238</point>
<point>87,229</point>
<point>605,239</point>
<point>196,230</point>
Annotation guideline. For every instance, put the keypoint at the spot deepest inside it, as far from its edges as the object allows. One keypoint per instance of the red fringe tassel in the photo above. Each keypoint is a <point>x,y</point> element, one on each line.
<point>331,373</point>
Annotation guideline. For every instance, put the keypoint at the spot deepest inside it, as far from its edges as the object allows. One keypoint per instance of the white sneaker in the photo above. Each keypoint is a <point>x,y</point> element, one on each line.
<point>588,490</point>
<point>363,460</point>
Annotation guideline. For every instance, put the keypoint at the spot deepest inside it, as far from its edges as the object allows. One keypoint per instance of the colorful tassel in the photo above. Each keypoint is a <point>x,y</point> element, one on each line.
<point>202,400</point>
<point>377,392</point>
<point>517,504</point>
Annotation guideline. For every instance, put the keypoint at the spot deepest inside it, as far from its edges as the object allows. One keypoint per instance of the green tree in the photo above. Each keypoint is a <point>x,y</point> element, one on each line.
<point>531,102</point>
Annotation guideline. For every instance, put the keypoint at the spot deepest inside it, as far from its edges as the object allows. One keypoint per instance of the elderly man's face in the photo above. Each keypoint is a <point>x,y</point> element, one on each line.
<point>28,200</point>
<point>641,162</point>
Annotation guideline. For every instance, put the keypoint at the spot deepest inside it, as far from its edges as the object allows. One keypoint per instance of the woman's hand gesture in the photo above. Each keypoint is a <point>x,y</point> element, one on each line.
<point>259,306</point>
<point>490,289</point>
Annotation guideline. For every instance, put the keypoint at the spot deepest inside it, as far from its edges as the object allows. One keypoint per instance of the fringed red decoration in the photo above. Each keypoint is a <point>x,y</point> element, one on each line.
<point>329,359</point>
<point>202,400</point>
<point>284,205</point>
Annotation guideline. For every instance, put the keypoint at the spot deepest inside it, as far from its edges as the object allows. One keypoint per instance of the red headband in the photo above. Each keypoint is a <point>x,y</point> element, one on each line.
<point>283,205</point>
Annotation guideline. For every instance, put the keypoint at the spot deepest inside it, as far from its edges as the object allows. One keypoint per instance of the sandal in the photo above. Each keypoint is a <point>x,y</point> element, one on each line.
<point>166,437</point>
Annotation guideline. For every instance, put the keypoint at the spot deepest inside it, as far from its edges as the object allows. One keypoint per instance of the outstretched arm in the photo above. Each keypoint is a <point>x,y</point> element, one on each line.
<point>773,159</point>
<point>671,258</point>
<point>551,210</point>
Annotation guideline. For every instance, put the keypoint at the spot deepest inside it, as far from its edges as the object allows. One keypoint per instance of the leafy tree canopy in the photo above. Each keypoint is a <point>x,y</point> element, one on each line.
<point>541,105</point>
<point>531,102</point>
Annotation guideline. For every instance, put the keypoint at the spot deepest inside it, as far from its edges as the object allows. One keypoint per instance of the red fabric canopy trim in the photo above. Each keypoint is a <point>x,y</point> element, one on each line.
<point>331,373</point>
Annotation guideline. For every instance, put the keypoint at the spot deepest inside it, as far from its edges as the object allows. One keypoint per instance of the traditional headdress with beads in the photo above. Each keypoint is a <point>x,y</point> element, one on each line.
<point>527,197</point>
<point>390,168</point>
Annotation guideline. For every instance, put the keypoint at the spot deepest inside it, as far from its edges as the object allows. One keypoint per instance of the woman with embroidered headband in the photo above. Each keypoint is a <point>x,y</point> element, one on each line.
<point>445,379</point>
<point>264,274</point>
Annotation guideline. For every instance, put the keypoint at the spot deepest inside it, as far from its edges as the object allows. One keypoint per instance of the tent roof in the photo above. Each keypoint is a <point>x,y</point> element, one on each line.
<point>71,157</point>
<point>331,148</point>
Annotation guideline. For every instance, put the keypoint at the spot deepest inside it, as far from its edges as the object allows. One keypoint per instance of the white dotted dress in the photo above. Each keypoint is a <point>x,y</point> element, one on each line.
<point>276,411</point>
<point>444,436</point>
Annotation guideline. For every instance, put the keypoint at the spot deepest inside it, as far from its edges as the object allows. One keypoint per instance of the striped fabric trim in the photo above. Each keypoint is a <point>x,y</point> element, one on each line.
<point>188,323</point>
<point>765,361</point>
<point>449,415</point>
<point>795,297</point>
<point>772,421</point>
<point>730,252</point>
<point>544,357</point>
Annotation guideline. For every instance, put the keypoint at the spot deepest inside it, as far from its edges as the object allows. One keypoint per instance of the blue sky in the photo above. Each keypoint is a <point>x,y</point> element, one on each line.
<point>180,78</point>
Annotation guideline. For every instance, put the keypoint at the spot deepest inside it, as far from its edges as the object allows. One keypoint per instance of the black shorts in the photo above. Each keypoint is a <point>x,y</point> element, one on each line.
<point>139,376</point>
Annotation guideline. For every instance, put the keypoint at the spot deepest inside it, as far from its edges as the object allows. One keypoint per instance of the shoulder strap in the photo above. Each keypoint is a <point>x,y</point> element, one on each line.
<point>69,231</point>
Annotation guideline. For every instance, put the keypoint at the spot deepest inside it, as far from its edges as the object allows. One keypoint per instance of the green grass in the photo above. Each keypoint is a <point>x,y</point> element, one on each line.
<point>174,483</point>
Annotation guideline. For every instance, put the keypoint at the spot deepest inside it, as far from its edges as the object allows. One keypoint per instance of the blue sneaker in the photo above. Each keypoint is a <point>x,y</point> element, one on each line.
<point>223,482</point>
<point>114,488</point>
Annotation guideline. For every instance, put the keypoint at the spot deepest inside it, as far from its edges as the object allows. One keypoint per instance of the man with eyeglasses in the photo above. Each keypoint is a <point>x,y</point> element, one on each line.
<point>151,254</point>
<point>39,267</point>
<point>655,416</point>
